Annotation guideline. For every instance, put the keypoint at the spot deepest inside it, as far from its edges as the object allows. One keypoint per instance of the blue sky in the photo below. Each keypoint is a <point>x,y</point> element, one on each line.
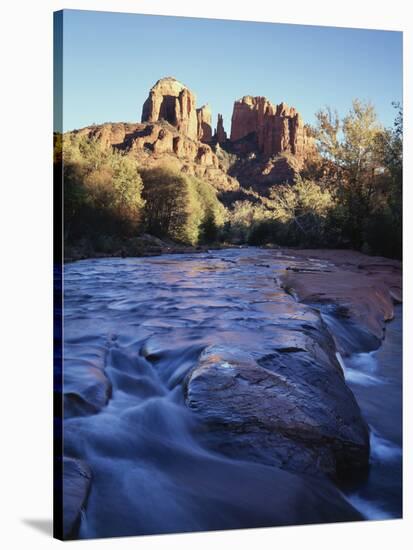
<point>111,60</point>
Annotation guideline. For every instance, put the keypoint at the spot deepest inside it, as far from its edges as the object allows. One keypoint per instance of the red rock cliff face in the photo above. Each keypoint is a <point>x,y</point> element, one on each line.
<point>172,101</point>
<point>204,118</point>
<point>274,128</point>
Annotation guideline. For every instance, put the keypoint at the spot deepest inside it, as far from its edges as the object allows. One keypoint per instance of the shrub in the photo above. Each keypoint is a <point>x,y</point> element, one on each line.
<point>180,207</point>
<point>102,189</point>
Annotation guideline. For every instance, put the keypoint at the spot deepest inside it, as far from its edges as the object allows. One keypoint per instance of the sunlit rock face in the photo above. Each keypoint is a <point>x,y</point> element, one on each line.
<point>268,143</point>
<point>273,128</point>
<point>154,143</point>
<point>204,118</point>
<point>173,102</point>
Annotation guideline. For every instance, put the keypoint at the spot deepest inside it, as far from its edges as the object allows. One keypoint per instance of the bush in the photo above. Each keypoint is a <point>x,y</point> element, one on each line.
<point>102,190</point>
<point>209,230</point>
<point>293,215</point>
<point>180,207</point>
<point>383,234</point>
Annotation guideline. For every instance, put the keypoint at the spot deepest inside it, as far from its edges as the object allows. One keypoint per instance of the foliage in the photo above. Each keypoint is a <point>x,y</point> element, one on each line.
<point>102,189</point>
<point>209,229</point>
<point>364,172</point>
<point>292,215</point>
<point>180,207</point>
<point>348,196</point>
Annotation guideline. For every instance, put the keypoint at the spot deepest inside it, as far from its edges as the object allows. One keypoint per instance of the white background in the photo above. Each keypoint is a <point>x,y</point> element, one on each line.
<point>26,270</point>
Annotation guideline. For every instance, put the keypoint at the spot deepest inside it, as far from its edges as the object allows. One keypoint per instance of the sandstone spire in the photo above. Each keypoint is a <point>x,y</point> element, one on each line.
<point>204,118</point>
<point>170,100</point>
<point>220,133</point>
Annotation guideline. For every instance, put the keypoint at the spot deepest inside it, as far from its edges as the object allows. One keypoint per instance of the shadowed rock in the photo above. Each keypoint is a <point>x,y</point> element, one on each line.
<point>220,134</point>
<point>77,477</point>
<point>87,389</point>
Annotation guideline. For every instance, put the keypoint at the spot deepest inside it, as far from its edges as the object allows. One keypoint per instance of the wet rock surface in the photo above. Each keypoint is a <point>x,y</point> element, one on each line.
<point>218,399</point>
<point>76,483</point>
<point>291,408</point>
<point>359,290</point>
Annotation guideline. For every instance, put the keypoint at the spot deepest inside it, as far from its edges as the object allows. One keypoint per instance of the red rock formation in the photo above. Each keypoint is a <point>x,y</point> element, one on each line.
<point>159,142</point>
<point>172,101</point>
<point>206,156</point>
<point>272,128</point>
<point>220,134</point>
<point>185,148</point>
<point>204,118</point>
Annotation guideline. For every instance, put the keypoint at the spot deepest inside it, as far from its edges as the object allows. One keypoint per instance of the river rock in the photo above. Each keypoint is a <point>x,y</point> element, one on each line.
<point>87,389</point>
<point>290,409</point>
<point>77,477</point>
<point>357,290</point>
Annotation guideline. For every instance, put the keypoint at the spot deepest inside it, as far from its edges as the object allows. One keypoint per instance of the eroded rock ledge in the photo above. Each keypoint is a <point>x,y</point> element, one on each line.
<point>357,290</point>
<point>292,408</point>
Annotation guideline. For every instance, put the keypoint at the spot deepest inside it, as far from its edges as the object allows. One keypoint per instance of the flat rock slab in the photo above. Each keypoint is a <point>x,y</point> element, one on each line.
<point>286,409</point>
<point>362,290</point>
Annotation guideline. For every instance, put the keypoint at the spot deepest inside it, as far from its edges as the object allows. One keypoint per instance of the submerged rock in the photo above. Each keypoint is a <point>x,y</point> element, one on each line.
<point>290,409</point>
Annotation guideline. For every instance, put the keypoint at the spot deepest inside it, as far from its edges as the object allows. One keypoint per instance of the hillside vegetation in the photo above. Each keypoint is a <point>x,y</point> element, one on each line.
<point>347,196</point>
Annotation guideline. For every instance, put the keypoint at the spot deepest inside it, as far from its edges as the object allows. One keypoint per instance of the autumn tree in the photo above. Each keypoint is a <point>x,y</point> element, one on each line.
<point>102,189</point>
<point>350,145</point>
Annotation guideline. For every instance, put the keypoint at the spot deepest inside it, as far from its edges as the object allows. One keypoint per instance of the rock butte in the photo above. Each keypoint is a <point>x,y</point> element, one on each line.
<point>274,129</point>
<point>270,142</point>
<point>173,102</point>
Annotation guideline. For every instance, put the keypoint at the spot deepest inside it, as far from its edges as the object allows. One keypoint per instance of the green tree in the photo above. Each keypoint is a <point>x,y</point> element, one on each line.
<point>102,189</point>
<point>303,208</point>
<point>167,208</point>
<point>384,231</point>
<point>209,230</point>
<point>351,146</point>
<point>178,206</point>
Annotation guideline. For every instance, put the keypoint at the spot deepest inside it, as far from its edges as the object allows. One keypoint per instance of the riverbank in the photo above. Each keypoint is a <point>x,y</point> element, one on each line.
<point>135,247</point>
<point>146,245</point>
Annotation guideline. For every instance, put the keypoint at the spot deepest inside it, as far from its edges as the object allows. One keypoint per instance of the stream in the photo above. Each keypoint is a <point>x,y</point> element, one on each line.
<point>140,325</point>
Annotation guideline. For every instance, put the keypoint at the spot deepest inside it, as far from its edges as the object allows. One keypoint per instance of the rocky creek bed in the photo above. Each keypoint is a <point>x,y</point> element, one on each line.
<point>230,389</point>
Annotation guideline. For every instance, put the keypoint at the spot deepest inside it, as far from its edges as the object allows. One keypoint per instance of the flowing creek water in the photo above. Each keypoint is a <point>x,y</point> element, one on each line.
<point>376,380</point>
<point>144,322</point>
